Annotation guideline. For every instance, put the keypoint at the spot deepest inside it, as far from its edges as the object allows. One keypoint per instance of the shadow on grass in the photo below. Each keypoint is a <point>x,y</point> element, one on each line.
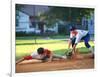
<point>82,50</point>
<point>40,43</point>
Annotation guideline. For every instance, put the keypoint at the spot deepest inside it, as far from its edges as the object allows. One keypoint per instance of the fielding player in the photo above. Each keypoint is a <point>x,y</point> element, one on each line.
<point>76,36</point>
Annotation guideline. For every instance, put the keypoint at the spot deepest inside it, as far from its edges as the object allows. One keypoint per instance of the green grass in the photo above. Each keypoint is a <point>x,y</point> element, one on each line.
<point>42,37</point>
<point>27,46</point>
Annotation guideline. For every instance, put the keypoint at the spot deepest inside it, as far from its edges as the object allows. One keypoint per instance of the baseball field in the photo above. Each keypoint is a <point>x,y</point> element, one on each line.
<point>25,46</point>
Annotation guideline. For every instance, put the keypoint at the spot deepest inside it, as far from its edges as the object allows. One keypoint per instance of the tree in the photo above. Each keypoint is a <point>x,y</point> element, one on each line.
<point>18,7</point>
<point>71,14</point>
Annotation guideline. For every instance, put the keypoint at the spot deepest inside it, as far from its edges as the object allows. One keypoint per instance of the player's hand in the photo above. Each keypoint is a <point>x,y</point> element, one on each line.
<point>70,50</point>
<point>49,61</point>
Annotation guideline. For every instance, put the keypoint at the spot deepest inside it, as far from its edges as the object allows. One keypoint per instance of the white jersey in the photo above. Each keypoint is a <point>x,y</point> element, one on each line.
<point>35,55</point>
<point>79,35</point>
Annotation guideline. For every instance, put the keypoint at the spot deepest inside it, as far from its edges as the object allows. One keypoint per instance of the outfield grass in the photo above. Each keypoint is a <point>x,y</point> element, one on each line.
<point>41,37</point>
<point>27,46</point>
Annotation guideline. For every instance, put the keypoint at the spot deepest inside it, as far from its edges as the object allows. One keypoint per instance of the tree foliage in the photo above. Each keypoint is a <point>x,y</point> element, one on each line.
<point>66,14</point>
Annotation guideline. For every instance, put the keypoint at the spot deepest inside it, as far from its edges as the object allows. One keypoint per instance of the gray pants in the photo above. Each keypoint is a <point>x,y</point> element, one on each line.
<point>57,56</point>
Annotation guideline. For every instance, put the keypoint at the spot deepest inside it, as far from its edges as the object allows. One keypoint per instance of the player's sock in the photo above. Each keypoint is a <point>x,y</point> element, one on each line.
<point>64,57</point>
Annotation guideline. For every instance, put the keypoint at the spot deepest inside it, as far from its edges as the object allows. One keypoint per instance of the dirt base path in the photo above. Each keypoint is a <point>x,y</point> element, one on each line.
<point>36,65</point>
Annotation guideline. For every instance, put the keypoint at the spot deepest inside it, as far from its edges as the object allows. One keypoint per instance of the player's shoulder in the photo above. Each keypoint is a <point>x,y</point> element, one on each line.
<point>80,30</point>
<point>47,50</point>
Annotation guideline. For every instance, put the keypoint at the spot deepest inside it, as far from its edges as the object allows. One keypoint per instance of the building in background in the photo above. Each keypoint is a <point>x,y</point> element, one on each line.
<point>28,21</point>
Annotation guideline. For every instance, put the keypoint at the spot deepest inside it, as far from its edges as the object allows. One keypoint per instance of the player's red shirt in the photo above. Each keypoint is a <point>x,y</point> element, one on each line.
<point>47,52</point>
<point>74,33</point>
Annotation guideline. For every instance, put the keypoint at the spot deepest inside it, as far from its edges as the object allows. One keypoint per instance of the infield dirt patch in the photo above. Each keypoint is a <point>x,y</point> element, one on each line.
<point>37,66</point>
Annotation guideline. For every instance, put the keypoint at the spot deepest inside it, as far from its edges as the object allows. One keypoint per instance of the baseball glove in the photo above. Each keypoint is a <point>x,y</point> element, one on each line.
<point>68,54</point>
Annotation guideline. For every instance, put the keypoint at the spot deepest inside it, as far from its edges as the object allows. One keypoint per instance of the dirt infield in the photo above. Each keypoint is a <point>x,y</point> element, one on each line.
<point>36,66</point>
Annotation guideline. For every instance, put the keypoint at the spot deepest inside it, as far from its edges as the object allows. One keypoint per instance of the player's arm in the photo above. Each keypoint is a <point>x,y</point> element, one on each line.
<point>51,57</point>
<point>70,40</point>
<point>78,38</point>
<point>74,48</point>
<point>69,43</point>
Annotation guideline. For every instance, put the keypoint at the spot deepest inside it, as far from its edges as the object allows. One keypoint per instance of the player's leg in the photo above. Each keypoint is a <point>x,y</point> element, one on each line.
<point>86,41</point>
<point>58,56</point>
<point>24,58</point>
<point>20,60</point>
